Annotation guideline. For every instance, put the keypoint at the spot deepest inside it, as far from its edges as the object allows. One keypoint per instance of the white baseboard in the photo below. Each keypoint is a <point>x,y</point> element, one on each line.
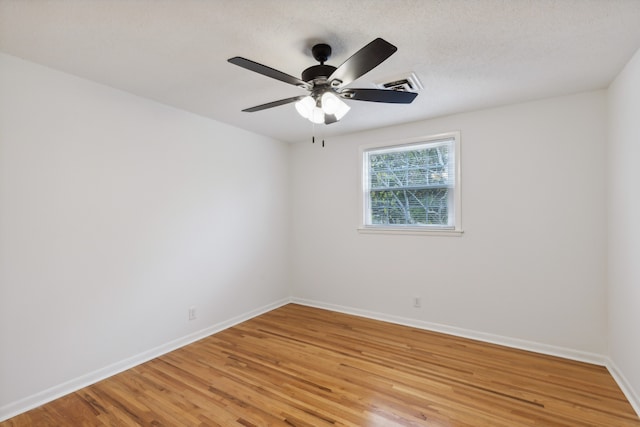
<point>566,353</point>
<point>624,385</point>
<point>15,408</point>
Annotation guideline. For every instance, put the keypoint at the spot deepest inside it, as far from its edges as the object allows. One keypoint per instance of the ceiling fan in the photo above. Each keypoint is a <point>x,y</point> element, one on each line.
<point>326,84</point>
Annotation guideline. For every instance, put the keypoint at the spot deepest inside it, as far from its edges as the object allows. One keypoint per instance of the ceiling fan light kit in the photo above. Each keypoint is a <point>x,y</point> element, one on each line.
<point>317,109</point>
<point>326,83</point>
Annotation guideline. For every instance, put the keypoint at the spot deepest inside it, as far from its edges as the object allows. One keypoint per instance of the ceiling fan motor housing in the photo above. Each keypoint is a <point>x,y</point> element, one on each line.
<point>317,72</point>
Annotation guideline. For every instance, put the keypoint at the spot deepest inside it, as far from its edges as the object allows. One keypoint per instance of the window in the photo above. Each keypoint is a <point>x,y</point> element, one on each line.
<point>412,186</point>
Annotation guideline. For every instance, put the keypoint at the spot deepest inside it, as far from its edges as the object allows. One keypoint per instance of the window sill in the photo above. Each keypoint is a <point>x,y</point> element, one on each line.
<point>410,231</point>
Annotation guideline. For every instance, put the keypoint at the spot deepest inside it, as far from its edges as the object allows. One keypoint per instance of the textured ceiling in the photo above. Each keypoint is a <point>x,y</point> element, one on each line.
<point>468,54</point>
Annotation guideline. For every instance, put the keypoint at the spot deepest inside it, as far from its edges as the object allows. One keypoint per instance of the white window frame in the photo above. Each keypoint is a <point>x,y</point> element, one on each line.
<point>363,197</point>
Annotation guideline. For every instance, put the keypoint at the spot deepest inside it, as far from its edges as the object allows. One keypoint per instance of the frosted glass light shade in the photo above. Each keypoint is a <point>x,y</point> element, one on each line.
<point>330,103</point>
<point>333,105</point>
<point>305,107</point>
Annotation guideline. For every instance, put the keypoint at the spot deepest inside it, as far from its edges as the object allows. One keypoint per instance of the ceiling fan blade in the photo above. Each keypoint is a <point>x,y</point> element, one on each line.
<point>363,61</point>
<point>379,95</point>
<point>274,104</point>
<point>268,71</point>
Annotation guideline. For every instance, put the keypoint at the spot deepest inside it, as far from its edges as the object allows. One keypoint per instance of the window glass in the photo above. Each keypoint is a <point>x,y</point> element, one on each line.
<point>411,185</point>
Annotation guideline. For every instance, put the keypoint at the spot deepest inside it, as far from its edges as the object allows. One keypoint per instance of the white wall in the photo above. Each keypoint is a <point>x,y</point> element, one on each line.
<point>624,227</point>
<point>530,267</point>
<point>116,215</point>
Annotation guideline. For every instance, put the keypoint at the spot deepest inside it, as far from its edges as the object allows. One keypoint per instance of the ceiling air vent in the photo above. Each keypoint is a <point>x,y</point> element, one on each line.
<point>406,83</point>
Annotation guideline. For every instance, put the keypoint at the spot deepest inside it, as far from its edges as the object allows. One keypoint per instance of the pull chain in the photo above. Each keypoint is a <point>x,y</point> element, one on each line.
<point>313,135</point>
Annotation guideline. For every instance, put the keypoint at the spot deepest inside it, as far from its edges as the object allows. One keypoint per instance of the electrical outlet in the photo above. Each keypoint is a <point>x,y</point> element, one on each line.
<point>417,302</point>
<point>192,312</point>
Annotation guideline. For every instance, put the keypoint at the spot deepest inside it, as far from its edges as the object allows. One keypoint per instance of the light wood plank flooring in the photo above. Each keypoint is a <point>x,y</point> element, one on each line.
<point>301,366</point>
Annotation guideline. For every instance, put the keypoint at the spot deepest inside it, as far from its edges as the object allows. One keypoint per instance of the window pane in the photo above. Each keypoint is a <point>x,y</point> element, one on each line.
<point>410,207</point>
<point>424,167</point>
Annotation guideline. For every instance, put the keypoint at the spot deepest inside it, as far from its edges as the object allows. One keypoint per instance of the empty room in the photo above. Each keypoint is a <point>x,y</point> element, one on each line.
<point>309,213</point>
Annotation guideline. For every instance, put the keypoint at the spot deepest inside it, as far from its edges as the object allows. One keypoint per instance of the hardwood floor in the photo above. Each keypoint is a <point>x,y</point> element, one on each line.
<point>301,366</point>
